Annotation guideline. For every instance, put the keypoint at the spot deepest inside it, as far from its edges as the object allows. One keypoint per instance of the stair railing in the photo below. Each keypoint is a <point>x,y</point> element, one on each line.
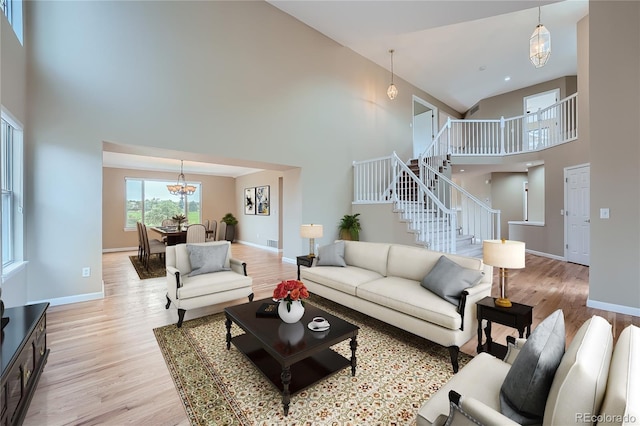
<point>389,180</point>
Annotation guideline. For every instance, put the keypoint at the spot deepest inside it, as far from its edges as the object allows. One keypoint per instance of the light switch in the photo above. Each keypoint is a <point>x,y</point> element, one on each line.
<point>604,213</point>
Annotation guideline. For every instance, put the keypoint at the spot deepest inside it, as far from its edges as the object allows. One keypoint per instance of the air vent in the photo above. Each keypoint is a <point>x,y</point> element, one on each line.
<point>473,109</point>
<point>272,243</point>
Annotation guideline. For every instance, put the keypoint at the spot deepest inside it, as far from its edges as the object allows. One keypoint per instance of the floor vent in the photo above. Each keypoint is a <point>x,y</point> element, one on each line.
<point>272,243</point>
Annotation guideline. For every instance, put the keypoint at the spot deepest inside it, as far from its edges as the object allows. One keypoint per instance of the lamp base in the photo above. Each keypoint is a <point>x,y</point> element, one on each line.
<point>503,303</point>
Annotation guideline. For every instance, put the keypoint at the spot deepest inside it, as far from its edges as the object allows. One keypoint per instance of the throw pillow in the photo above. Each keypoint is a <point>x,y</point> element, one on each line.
<point>331,255</point>
<point>205,259</point>
<point>525,389</point>
<point>447,279</point>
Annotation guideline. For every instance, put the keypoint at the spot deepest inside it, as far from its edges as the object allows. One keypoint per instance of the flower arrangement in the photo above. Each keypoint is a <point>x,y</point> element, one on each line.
<point>290,291</point>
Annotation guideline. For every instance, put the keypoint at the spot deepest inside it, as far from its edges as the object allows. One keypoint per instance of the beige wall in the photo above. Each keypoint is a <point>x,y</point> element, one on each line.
<point>257,229</point>
<point>535,177</point>
<point>218,197</point>
<point>507,196</point>
<point>614,85</point>
<point>511,104</point>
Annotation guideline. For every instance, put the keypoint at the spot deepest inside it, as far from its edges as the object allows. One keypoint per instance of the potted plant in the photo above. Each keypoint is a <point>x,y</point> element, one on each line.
<point>349,227</point>
<point>178,219</point>
<point>231,222</point>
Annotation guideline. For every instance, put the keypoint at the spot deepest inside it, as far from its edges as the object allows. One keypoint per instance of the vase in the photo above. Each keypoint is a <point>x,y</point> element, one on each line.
<point>294,314</point>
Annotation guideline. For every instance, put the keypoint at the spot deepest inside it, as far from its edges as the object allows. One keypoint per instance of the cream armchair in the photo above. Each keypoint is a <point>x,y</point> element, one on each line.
<point>204,274</point>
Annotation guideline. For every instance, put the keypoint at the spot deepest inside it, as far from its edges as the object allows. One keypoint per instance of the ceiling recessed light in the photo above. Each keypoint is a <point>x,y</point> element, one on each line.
<point>462,170</point>
<point>507,78</point>
<point>529,164</point>
<point>482,68</point>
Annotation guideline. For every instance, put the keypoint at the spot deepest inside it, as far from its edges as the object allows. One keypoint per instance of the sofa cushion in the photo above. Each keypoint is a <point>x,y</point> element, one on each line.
<point>331,255</point>
<point>371,256</point>
<point>338,278</point>
<point>447,279</point>
<point>206,259</point>
<point>406,296</point>
<point>622,397</point>
<point>580,380</point>
<point>414,263</point>
<point>206,284</point>
<point>523,394</point>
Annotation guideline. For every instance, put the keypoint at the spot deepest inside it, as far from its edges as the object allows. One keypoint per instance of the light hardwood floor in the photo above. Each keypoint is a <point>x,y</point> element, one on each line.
<point>105,366</point>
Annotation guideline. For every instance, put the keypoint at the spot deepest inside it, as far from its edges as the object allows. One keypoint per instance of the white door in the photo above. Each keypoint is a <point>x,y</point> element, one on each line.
<point>424,117</point>
<point>577,219</point>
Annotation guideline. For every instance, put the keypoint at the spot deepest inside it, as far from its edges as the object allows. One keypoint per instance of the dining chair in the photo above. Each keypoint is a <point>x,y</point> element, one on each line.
<point>213,225</point>
<point>151,247</point>
<point>221,231</point>
<point>206,224</point>
<point>168,222</point>
<point>140,242</point>
<point>196,233</point>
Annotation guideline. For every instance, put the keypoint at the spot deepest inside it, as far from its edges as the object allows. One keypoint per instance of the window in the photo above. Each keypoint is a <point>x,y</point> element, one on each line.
<point>12,9</point>
<point>150,202</point>
<point>11,184</point>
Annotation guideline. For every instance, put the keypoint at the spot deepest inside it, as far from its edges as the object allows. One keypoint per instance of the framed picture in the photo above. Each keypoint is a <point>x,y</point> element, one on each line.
<point>249,201</point>
<point>262,200</point>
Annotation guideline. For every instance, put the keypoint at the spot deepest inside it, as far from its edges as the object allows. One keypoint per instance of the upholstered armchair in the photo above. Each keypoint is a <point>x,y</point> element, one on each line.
<point>204,274</point>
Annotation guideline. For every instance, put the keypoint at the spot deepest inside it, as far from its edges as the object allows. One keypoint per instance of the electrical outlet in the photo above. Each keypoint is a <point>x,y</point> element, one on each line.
<point>86,272</point>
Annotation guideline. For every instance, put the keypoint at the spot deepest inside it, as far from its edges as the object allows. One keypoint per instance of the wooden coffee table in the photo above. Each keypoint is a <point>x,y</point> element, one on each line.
<point>291,356</point>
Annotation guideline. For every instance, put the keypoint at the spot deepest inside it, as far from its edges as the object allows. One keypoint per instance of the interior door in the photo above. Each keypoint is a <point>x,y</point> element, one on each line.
<point>424,116</point>
<point>577,218</point>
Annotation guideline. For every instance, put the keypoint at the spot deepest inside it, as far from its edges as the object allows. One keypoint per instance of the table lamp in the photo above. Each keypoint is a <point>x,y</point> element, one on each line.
<point>503,254</point>
<point>312,232</point>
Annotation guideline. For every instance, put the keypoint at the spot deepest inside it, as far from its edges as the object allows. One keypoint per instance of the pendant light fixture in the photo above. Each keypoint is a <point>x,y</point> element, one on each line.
<point>181,188</point>
<point>392,91</point>
<point>540,45</point>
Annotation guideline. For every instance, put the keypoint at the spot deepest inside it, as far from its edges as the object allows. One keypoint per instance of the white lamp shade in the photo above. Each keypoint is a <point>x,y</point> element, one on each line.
<point>503,253</point>
<point>311,231</point>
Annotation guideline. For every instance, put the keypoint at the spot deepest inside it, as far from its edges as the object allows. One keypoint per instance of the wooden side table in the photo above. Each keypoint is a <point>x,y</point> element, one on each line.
<point>304,261</point>
<point>518,316</point>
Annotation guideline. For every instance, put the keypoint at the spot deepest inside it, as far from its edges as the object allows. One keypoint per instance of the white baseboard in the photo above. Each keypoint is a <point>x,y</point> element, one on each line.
<point>611,307</point>
<point>73,299</point>
<point>113,250</point>
<point>550,256</point>
<point>246,243</point>
<point>287,260</point>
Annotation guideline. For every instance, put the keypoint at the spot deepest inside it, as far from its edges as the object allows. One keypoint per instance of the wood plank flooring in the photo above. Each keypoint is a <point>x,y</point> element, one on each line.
<point>105,366</point>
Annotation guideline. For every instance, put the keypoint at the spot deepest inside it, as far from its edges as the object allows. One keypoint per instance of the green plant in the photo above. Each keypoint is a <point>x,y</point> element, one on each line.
<point>179,218</point>
<point>349,227</point>
<point>229,219</point>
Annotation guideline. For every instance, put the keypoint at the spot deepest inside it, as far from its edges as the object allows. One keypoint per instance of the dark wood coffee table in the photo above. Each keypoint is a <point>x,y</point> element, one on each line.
<point>291,356</point>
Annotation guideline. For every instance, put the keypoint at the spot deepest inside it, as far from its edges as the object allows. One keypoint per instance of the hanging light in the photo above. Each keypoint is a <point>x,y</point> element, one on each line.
<point>181,188</point>
<point>540,45</point>
<point>392,91</point>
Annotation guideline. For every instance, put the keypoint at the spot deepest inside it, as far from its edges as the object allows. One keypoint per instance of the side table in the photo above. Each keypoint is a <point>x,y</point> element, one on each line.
<point>304,261</point>
<point>518,316</point>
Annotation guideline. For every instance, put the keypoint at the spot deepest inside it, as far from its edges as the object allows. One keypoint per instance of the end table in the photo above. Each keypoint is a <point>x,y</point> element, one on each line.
<point>518,316</point>
<point>304,261</point>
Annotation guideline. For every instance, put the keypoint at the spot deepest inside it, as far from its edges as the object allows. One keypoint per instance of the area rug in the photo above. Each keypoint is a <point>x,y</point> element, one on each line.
<point>156,267</point>
<point>397,372</point>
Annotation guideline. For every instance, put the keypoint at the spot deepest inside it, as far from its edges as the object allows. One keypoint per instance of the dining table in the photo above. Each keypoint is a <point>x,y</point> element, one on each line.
<point>171,234</point>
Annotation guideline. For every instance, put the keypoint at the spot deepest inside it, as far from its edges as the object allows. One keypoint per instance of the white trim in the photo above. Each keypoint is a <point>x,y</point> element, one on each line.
<point>550,256</point>
<point>287,260</point>
<point>611,307</point>
<point>272,249</point>
<point>565,218</point>
<point>12,270</point>
<point>114,250</point>
<point>73,299</point>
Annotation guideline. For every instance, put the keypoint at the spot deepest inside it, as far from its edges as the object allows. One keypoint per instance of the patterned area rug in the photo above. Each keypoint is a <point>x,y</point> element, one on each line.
<point>156,267</point>
<point>396,373</point>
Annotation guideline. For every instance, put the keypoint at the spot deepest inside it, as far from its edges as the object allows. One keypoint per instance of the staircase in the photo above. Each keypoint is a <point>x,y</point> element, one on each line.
<point>442,215</point>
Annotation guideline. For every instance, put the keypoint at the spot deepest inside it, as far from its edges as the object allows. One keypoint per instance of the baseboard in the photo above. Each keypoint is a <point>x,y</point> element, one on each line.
<point>114,250</point>
<point>550,256</point>
<point>611,307</point>
<point>73,299</point>
<point>287,260</point>
<point>246,243</point>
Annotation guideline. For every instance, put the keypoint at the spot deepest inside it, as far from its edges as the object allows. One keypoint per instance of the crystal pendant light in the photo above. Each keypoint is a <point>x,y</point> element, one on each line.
<point>540,45</point>
<point>392,91</point>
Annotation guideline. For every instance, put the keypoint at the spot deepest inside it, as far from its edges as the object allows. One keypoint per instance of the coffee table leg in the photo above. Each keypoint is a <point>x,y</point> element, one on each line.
<point>286,396</point>
<point>228,324</point>
<point>354,345</point>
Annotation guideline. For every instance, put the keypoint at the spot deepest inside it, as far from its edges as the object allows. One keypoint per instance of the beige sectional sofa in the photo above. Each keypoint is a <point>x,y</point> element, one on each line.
<point>384,281</point>
<point>589,386</point>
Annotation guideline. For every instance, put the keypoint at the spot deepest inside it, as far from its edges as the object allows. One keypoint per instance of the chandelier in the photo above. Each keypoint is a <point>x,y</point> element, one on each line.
<point>540,45</point>
<point>392,91</point>
<point>181,188</point>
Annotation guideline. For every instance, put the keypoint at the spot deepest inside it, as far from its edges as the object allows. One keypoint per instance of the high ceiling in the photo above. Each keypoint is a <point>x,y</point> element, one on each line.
<point>458,51</point>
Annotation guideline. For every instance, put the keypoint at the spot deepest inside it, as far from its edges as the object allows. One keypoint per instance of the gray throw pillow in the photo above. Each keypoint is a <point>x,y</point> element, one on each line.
<point>524,392</point>
<point>331,255</point>
<point>447,279</point>
<point>205,259</point>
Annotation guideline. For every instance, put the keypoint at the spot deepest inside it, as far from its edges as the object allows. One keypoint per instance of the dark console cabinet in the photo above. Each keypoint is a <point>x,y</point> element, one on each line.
<point>24,354</point>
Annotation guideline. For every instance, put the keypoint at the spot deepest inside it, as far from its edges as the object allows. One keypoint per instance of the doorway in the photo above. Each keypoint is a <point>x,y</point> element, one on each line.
<point>577,218</point>
<point>537,132</point>
<point>425,124</point>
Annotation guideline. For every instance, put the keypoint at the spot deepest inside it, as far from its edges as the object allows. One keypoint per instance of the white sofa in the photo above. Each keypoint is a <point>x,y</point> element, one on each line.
<point>589,386</point>
<point>383,281</point>
<point>229,282</point>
